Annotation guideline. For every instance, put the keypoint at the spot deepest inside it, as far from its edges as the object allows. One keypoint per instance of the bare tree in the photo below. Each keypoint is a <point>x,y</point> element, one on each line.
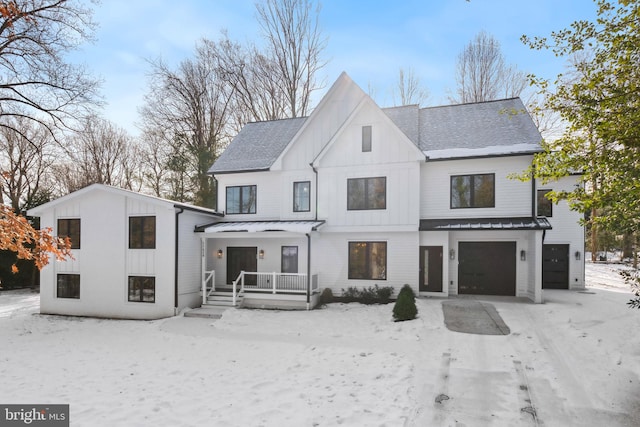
<point>101,153</point>
<point>26,158</point>
<point>408,89</point>
<point>190,108</point>
<point>36,82</point>
<point>296,44</point>
<point>481,73</point>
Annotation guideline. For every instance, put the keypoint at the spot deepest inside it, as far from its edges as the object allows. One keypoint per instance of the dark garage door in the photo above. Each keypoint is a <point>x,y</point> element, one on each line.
<point>487,268</point>
<point>555,266</point>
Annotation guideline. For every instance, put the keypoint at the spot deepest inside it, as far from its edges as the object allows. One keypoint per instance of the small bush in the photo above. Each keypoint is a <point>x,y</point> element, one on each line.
<point>408,290</point>
<point>405,307</point>
<point>326,297</point>
<point>370,295</point>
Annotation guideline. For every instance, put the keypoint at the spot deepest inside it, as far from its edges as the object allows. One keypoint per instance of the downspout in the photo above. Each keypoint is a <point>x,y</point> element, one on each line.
<point>308,271</point>
<point>175,296</point>
<point>316,172</point>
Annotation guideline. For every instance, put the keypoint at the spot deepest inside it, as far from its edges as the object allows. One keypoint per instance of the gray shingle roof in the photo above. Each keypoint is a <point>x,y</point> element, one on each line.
<point>478,125</point>
<point>257,146</point>
<point>452,131</point>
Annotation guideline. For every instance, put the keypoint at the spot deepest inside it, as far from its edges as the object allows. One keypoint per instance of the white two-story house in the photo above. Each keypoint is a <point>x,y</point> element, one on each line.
<point>357,195</point>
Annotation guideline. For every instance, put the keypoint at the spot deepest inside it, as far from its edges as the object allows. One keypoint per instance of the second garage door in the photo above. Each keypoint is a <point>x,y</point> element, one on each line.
<point>487,268</point>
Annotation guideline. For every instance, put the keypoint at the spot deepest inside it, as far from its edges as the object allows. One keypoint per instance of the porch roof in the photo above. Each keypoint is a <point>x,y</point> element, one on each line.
<point>512,223</point>
<point>300,227</point>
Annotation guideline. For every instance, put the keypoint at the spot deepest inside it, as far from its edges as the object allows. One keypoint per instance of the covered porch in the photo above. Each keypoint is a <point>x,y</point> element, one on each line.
<point>261,264</point>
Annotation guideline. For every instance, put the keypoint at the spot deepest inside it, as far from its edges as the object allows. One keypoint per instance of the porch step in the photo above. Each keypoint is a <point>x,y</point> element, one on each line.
<point>222,299</point>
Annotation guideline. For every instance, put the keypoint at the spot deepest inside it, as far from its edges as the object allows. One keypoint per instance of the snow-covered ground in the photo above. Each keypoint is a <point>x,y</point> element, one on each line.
<point>574,360</point>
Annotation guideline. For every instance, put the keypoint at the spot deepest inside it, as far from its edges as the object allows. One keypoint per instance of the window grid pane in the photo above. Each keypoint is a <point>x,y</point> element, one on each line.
<point>142,232</point>
<point>289,259</point>
<point>366,139</point>
<point>545,207</point>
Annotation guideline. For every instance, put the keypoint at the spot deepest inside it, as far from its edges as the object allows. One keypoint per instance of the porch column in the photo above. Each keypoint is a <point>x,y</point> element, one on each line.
<point>203,267</point>
<point>308,271</point>
<point>537,265</point>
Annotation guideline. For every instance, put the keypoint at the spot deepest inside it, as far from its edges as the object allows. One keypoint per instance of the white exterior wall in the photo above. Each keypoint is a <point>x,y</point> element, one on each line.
<point>566,231</point>
<point>330,252</point>
<point>105,262</point>
<point>512,197</point>
<point>190,259</point>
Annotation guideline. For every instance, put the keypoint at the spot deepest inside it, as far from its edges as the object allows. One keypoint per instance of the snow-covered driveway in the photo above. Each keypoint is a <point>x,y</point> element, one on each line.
<point>574,360</point>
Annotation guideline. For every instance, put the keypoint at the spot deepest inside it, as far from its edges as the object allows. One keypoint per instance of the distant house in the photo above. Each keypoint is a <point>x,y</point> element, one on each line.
<point>135,256</point>
<point>352,196</point>
<point>357,195</point>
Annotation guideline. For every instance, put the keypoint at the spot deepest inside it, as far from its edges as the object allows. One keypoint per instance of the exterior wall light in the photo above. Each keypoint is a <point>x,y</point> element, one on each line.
<point>220,253</point>
<point>261,254</point>
<point>577,255</point>
<point>452,254</point>
<point>523,255</point>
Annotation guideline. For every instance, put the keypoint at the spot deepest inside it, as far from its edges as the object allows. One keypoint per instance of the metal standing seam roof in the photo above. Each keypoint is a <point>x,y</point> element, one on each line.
<point>513,223</point>
<point>301,227</point>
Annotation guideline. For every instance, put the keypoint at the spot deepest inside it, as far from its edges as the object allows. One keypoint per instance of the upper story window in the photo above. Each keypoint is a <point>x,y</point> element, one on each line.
<point>366,193</point>
<point>301,196</point>
<point>142,232</point>
<point>545,207</point>
<point>473,191</point>
<point>366,139</point>
<point>241,199</point>
<point>70,228</point>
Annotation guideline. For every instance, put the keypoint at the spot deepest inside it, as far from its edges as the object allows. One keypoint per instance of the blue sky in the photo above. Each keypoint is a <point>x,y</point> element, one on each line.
<point>370,40</point>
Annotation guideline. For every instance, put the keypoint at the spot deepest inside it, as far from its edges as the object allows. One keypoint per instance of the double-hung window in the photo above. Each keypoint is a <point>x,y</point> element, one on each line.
<point>366,193</point>
<point>473,191</point>
<point>241,199</point>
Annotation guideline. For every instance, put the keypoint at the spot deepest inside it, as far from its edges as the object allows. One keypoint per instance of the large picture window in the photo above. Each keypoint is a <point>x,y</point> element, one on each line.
<point>545,207</point>
<point>473,191</point>
<point>68,286</point>
<point>241,199</point>
<point>70,228</point>
<point>142,289</point>
<point>368,260</point>
<point>366,193</point>
<point>301,196</point>
<point>289,259</point>
<point>142,232</point>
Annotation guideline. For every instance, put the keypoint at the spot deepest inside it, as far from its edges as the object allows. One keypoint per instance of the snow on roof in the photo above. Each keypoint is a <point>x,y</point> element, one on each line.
<point>300,227</point>
<point>493,150</point>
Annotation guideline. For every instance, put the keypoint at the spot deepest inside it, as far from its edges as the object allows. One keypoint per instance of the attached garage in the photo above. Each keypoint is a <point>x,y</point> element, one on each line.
<point>487,268</point>
<point>555,266</point>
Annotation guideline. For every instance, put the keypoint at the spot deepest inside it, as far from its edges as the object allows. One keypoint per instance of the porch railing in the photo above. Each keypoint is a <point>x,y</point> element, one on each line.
<point>208,277</point>
<point>248,281</point>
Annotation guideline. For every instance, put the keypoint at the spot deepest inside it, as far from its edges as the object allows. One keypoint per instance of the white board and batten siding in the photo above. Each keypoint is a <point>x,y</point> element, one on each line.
<point>105,261</point>
<point>331,255</point>
<point>512,196</point>
<point>564,230</point>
